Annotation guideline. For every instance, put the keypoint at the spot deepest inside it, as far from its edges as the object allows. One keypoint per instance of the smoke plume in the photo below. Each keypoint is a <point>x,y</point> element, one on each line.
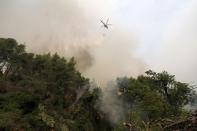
<point>111,104</point>
<point>72,28</point>
<point>64,27</point>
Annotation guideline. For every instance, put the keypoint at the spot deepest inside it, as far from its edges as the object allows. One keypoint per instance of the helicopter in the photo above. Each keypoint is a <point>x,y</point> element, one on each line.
<point>105,24</point>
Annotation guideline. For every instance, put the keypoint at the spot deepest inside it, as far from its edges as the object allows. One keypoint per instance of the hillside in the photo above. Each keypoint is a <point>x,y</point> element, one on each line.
<point>46,92</point>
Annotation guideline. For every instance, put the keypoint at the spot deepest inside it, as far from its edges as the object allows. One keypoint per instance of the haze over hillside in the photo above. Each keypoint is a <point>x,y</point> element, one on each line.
<point>144,34</point>
<point>68,29</point>
<point>137,73</point>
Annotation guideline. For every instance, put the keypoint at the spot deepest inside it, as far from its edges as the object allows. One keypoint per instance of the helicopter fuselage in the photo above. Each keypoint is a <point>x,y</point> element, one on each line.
<point>105,26</point>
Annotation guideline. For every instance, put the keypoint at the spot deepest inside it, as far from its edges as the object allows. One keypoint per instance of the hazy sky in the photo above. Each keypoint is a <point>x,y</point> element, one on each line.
<point>167,33</point>
<point>164,31</point>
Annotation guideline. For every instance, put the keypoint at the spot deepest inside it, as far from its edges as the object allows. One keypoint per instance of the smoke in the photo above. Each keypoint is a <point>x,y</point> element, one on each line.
<point>115,57</point>
<point>65,27</point>
<point>84,59</point>
<point>111,103</point>
<point>79,93</point>
<point>72,28</point>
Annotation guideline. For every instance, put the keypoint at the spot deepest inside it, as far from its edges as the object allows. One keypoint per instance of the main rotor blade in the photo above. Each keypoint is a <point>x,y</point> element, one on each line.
<point>102,22</point>
<point>107,20</point>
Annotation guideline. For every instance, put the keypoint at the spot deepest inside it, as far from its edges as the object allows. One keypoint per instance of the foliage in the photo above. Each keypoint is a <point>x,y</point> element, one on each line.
<point>46,92</point>
<point>41,92</point>
<point>154,96</point>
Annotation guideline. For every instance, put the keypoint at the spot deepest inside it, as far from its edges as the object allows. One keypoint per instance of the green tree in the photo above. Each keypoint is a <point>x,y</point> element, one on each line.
<point>45,92</point>
<point>155,94</point>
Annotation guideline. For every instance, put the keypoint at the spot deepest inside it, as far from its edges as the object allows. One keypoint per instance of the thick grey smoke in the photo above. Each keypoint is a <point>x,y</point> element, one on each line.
<point>65,27</point>
<point>70,29</point>
<point>84,59</point>
<point>111,104</point>
<point>48,26</point>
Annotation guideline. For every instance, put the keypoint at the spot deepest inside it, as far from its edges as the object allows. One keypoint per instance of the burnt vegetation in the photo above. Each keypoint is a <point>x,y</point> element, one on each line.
<point>46,92</point>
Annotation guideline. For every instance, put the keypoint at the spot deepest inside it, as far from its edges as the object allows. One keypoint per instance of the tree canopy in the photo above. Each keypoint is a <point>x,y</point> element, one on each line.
<point>46,92</point>
<point>154,96</point>
<point>43,92</point>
